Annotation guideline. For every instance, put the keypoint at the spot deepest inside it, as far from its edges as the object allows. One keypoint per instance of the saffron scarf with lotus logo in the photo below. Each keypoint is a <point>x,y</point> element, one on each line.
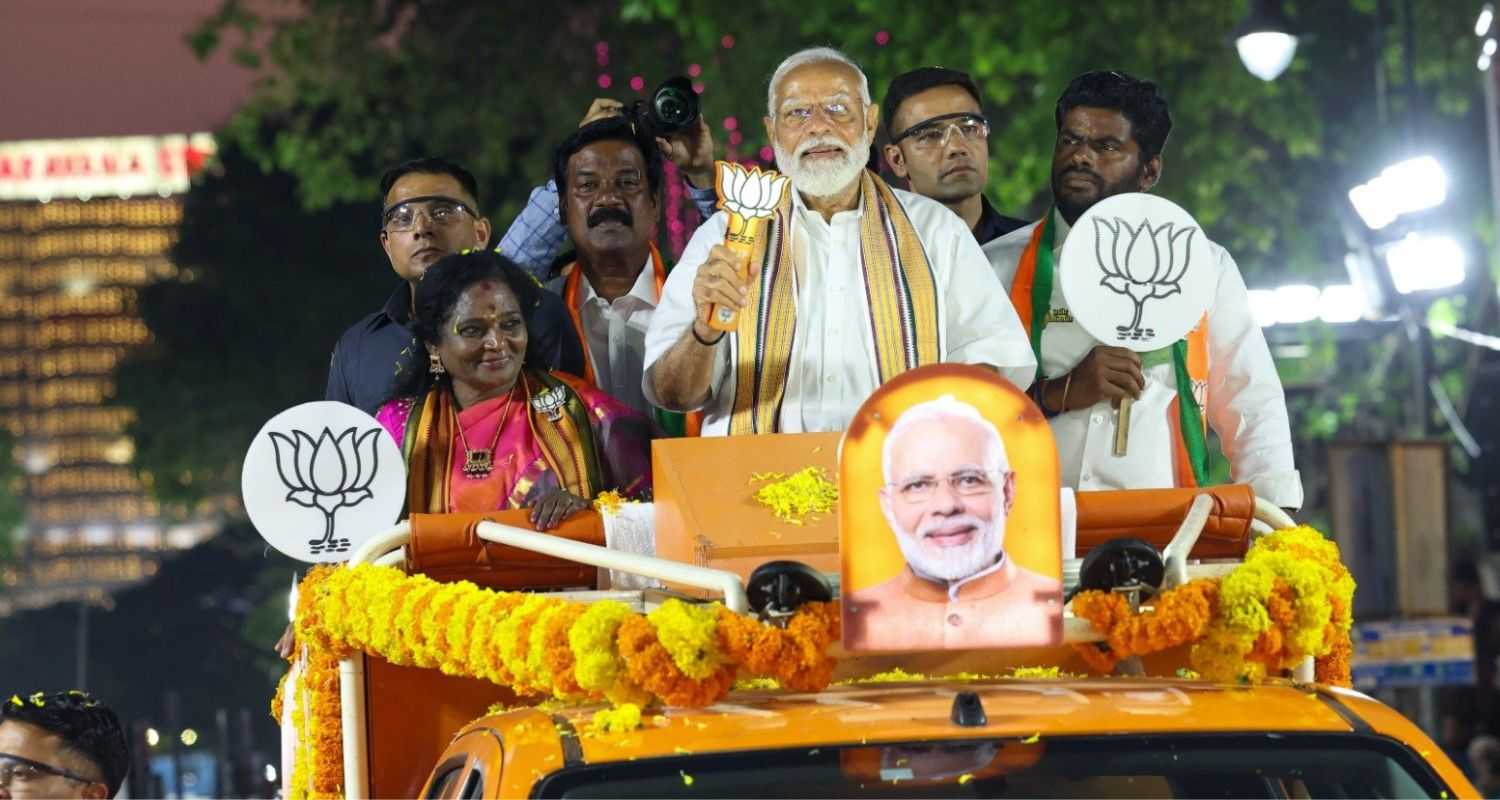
<point>1031,294</point>
<point>561,437</point>
<point>900,289</point>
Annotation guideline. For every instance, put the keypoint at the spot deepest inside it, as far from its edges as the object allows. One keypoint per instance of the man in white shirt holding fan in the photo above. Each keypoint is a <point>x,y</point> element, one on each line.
<point>1111,129</point>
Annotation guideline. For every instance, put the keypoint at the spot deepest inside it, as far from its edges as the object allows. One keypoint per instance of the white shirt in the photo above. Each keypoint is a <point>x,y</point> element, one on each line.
<point>615,336</point>
<point>1246,405</point>
<point>833,367</point>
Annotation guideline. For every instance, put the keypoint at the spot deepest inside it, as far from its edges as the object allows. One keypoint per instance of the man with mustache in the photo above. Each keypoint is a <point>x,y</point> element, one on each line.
<point>948,491</point>
<point>429,209</point>
<point>1111,130</point>
<point>851,284</point>
<point>938,140</point>
<point>609,179</point>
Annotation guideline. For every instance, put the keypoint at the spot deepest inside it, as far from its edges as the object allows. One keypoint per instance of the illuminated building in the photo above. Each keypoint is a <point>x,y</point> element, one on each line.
<point>84,223</point>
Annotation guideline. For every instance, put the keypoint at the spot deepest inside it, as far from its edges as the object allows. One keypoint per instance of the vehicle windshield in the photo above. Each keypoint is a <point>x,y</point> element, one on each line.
<point>1261,765</point>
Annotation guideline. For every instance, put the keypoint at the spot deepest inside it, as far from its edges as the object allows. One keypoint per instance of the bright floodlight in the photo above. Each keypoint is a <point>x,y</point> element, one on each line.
<point>1341,303</point>
<point>1483,63</point>
<point>1263,307</point>
<point>152,737</point>
<point>1420,263</point>
<point>1296,303</point>
<point>1486,18</point>
<point>1490,46</point>
<point>1267,54</point>
<point>1402,188</point>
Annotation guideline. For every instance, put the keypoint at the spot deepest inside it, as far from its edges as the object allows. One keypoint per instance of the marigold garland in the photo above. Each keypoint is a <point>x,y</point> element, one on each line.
<point>1291,598</point>
<point>539,646</point>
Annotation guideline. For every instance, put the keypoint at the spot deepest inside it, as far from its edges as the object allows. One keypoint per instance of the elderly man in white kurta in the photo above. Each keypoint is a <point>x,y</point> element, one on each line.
<point>853,283</point>
<point>1111,129</point>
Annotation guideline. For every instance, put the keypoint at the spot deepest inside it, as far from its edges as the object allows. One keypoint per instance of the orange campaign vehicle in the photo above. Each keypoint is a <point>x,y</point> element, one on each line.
<point>1198,644</point>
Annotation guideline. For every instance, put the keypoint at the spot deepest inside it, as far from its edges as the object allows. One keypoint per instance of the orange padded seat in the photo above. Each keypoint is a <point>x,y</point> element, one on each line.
<point>1155,515</point>
<point>445,547</point>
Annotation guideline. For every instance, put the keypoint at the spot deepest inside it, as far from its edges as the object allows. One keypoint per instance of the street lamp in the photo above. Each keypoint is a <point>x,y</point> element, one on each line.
<point>1265,40</point>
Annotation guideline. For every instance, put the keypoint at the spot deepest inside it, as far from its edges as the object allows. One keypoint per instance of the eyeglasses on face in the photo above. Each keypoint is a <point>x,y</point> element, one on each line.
<point>441,212</point>
<point>964,483</point>
<point>17,771</point>
<point>932,134</point>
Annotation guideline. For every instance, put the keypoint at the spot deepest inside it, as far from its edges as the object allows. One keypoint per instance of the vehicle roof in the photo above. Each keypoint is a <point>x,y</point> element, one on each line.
<point>896,711</point>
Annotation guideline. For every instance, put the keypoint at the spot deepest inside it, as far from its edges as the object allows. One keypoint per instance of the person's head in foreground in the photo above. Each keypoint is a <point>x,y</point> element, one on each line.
<point>472,314</point>
<point>1111,129</point>
<point>65,744</point>
<point>948,489</point>
<point>821,121</point>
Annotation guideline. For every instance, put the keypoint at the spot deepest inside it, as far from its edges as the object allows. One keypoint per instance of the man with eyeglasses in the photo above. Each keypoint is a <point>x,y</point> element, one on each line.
<point>938,140</point>
<point>429,209</point>
<point>65,744</point>
<point>852,283</point>
<point>948,491</point>
<point>1111,132</point>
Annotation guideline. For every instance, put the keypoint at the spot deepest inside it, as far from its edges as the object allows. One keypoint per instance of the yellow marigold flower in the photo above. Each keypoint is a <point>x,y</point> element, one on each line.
<point>621,719</point>
<point>689,632</point>
<point>609,502</point>
<point>896,675</point>
<point>792,497</point>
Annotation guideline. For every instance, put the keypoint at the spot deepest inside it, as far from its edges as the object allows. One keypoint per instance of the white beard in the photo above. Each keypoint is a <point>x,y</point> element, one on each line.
<point>825,179</point>
<point>952,563</point>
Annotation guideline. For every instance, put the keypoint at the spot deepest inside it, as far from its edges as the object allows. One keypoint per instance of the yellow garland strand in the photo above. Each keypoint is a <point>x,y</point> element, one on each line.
<point>1290,599</point>
<point>542,646</point>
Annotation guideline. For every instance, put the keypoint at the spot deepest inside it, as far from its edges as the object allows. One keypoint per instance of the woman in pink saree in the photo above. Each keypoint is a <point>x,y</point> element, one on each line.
<point>480,431</point>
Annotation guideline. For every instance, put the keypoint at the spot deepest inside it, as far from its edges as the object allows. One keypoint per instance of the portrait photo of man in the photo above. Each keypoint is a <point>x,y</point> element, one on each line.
<point>947,495</point>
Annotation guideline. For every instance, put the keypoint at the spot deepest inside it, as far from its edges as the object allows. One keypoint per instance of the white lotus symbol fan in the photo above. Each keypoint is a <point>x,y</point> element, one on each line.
<point>1142,263</point>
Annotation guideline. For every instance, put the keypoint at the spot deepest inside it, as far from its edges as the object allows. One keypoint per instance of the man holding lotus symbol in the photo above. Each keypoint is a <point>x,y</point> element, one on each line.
<point>849,284</point>
<point>1111,130</point>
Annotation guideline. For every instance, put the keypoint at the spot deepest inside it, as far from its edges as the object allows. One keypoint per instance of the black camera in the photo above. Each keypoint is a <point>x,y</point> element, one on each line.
<point>672,109</point>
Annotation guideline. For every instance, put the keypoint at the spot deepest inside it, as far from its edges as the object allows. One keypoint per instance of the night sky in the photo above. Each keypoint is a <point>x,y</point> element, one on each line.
<point>71,68</point>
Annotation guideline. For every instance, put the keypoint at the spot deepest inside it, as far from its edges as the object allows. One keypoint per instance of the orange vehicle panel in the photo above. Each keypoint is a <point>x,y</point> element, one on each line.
<point>537,744</point>
<point>888,712</point>
<point>412,714</point>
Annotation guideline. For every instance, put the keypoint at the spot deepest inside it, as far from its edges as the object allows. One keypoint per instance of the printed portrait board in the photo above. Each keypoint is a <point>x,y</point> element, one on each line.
<point>322,478</point>
<point>949,516</point>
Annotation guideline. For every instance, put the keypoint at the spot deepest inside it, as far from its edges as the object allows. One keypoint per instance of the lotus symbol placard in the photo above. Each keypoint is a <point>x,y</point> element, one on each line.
<point>1136,271</point>
<point>327,473</point>
<point>1141,262</point>
<point>321,478</point>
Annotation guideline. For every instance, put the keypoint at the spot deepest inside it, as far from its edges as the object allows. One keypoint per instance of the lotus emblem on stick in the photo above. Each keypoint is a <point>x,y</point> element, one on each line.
<point>327,473</point>
<point>750,197</point>
<point>1142,263</point>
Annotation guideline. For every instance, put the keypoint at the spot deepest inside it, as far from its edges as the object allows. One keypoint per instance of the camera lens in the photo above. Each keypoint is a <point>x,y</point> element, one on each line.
<point>674,106</point>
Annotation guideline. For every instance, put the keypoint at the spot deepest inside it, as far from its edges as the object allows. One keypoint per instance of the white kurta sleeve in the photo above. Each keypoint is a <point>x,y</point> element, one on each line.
<point>675,312</point>
<point>982,326</point>
<point>1246,404</point>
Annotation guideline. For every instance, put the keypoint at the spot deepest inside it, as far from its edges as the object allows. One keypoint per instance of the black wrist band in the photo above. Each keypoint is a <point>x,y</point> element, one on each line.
<point>704,341</point>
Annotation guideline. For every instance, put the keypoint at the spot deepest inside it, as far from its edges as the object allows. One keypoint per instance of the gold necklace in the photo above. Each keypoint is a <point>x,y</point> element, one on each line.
<point>479,463</point>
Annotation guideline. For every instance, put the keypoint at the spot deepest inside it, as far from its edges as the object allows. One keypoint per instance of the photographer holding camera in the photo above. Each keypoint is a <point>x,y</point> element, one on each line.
<point>672,120</point>
<point>606,194</point>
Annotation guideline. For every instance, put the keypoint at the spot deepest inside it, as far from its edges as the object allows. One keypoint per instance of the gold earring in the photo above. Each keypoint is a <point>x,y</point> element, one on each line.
<point>435,364</point>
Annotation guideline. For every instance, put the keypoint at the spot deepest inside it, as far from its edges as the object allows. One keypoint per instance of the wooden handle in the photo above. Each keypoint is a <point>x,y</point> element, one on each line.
<point>1122,425</point>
